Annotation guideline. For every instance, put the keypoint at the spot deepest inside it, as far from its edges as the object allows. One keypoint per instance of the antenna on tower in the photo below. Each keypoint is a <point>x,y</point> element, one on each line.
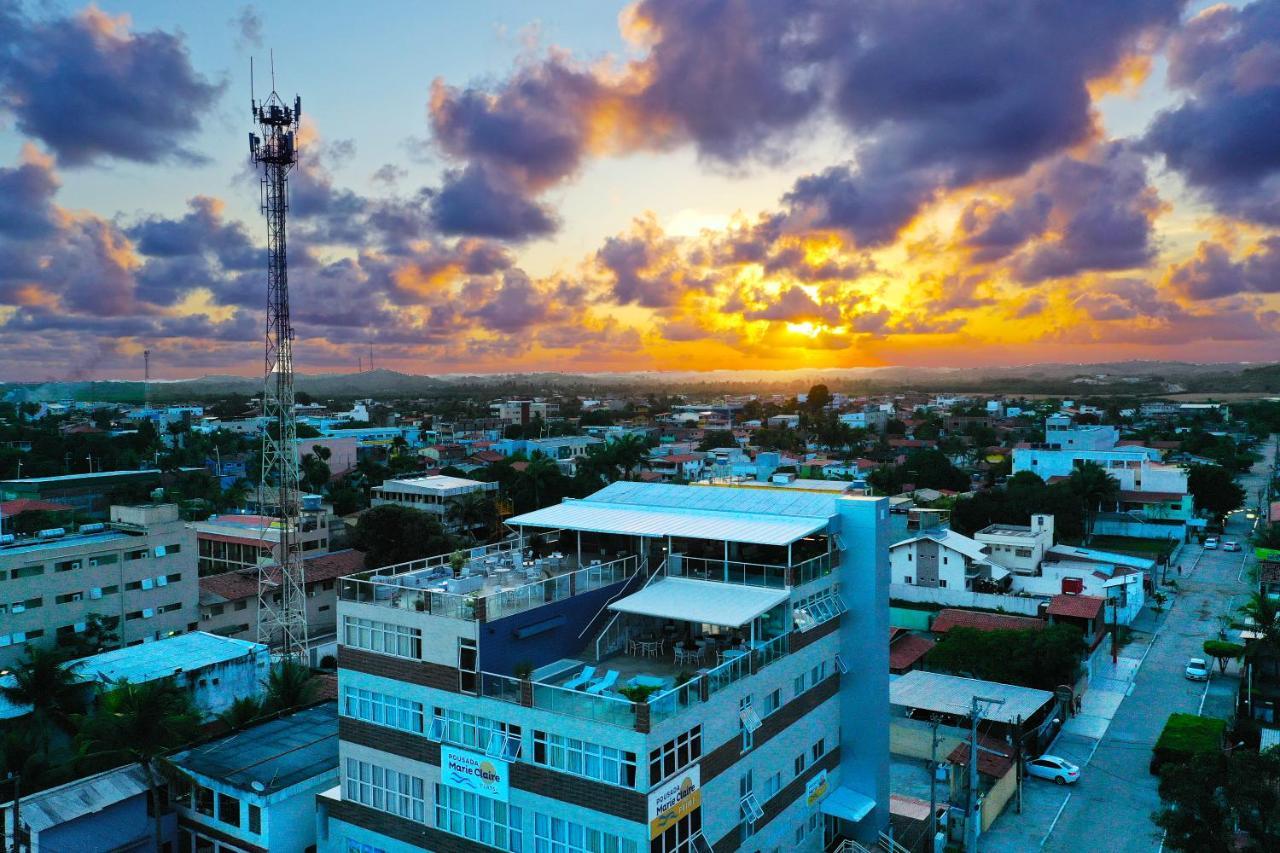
<point>146,379</point>
<point>281,620</point>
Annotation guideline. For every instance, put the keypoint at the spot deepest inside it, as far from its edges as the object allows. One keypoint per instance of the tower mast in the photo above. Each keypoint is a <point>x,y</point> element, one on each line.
<point>275,151</point>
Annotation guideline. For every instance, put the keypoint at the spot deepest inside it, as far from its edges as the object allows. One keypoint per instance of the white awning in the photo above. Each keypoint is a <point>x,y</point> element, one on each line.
<point>847,804</point>
<point>590,517</point>
<point>727,604</point>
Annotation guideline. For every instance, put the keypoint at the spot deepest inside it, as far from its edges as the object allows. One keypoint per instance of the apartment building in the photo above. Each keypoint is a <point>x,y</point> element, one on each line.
<point>436,494</point>
<point>522,411</point>
<point>1067,447</point>
<point>653,668</point>
<point>138,571</point>
<point>227,543</point>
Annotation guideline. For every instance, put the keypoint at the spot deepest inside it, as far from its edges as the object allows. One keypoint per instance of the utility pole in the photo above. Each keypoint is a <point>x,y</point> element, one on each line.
<point>276,152</point>
<point>146,379</point>
<point>1115,629</point>
<point>971,819</point>
<point>934,719</point>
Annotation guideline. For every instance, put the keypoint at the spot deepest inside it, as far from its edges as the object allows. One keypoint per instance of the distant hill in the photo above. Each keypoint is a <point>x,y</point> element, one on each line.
<point>1129,378</point>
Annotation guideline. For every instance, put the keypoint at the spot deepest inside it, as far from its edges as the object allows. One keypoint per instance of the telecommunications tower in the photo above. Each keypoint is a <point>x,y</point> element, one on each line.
<point>276,152</point>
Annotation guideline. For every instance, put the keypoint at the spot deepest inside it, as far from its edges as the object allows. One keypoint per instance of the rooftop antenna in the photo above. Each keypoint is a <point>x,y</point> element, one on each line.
<point>276,152</point>
<point>146,379</point>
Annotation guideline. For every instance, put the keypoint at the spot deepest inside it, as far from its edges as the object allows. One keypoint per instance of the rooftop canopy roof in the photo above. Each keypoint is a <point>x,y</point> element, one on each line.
<point>593,517</point>
<point>706,602</point>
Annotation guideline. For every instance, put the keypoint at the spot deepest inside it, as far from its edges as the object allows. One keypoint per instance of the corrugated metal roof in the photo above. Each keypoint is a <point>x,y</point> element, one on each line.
<point>82,797</point>
<point>951,694</point>
<point>148,661</point>
<point>594,517</point>
<point>719,498</point>
<point>727,604</point>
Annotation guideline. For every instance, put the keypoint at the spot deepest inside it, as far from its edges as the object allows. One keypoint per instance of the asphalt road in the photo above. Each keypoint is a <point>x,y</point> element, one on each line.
<point>1110,808</point>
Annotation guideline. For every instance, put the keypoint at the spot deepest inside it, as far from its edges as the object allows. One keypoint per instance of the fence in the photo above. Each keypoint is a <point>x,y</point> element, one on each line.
<point>1026,605</point>
<point>663,706</point>
<point>611,710</point>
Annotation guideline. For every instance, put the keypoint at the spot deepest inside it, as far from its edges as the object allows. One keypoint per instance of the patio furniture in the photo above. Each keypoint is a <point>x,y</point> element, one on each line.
<point>643,680</point>
<point>588,673</point>
<point>731,654</point>
<point>684,655</point>
<point>610,678</point>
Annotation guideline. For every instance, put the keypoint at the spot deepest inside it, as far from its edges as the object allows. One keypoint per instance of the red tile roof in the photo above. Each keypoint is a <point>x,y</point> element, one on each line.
<point>949,618</point>
<point>487,456</point>
<point>908,651</point>
<point>995,766</point>
<point>9,509</point>
<point>233,586</point>
<point>1076,606</point>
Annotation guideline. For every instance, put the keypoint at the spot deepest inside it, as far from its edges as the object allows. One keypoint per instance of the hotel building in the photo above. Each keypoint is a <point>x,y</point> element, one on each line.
<point>653,668</point>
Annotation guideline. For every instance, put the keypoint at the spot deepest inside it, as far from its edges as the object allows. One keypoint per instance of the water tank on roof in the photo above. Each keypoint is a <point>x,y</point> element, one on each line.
<point>96,527</point>
<point>52,532</point>
<point>6,539</point>
<point>311,502</point>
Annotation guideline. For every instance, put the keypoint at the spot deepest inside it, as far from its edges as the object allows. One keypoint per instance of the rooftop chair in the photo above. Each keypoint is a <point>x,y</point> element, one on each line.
<point>610,678</point>
<point>588,673</point>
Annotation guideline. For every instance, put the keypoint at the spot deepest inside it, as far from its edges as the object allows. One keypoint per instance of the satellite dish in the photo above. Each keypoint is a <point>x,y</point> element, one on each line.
<point>257,786</point>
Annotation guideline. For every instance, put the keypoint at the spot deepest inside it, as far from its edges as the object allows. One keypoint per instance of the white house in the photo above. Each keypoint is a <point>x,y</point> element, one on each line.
<point>939,559</point>
<point>1016,547</point>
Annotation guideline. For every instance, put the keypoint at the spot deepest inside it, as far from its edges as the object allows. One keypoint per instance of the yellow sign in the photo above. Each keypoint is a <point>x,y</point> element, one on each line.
<point>815,789</point>
<point>674,800</point>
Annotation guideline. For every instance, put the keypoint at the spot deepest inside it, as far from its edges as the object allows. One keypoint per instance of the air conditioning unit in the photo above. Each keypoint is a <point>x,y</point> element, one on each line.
<point>95,593</point>
<point>148,583</point>
<point>18,608</point>
<point>162,581</point>
<point>148,612</point>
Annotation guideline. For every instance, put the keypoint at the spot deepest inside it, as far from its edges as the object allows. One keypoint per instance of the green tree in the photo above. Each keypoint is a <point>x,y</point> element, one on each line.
<point>1042,659</point>
<point>473,511</point>
<point>628,451</point>
<point>99,634</point>
<point>392,534</point>
<point>1214,489</point>
<point>540,480</point>
<point>1093,487</point>
<point>242,711</point>
<point>139,723</point>
<point>1222,802</point>
<point>818,399</point>
<point>1223,652</point>
<point>931,469</point>
<point>713,438</point>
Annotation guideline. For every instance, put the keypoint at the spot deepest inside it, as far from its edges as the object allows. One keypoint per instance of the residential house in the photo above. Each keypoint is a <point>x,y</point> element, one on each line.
<point>941,558</point>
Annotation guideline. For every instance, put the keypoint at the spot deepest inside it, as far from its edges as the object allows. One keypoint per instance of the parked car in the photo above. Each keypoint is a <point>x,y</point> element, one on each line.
<point>1197,670</point>
<point>1230,545</point>
<point>1055,769</point>
<point>1211,543</point>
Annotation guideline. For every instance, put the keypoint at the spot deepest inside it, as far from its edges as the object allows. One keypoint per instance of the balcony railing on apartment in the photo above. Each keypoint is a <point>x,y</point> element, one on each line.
<point>753,574</point>
<point>612,709</point>
<point>412,586</point>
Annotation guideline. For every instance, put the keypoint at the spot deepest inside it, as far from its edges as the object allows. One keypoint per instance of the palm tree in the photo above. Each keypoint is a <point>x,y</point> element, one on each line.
<point>47,683</point>
<point>472,510</point>
<point>538,476</point>
<point>139,723</point>
<point>1093,486</point>
<point>243,711</point>
<point>289,685</point>
<point>628,452</point>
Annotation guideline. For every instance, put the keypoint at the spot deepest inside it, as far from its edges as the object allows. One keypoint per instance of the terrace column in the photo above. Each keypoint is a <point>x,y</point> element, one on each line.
<point>726,561</point>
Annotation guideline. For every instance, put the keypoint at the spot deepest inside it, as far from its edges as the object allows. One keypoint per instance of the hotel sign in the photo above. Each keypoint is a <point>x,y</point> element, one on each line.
<point>815,789</point>
<point>674,800</point>
<point>479,774</point>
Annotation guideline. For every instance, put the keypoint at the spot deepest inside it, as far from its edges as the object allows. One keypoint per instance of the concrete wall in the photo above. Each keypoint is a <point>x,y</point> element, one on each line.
<point>963,598</point>
<point>1126,526</point>
<point>501,650</point>
<point>998,797</point>
<point>914,738</point>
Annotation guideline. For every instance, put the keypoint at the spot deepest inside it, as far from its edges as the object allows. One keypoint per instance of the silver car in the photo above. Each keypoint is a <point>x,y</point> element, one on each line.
<point>1197,670</point>
<point>1055,769</point>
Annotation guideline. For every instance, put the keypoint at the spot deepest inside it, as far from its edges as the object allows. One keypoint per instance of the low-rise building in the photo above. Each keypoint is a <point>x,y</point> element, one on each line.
<point>255,791</point>
<point>436,494</point>
<point>1019,548</point>
<point>229,601</point>
<point>230,542</point>
<point>216,670</point>
<point>137,572</point>
<point>104,813</point>
<point>940,558</point>
<point>91,494</point>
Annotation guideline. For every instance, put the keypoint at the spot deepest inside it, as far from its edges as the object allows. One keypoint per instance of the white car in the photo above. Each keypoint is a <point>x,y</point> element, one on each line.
<point>1229,545</point>
<point>1197,670</point>
<point>1051,767</point>
<point>1211,544</point>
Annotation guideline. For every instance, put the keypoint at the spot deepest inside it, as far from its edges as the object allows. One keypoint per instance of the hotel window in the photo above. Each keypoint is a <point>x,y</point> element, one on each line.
<point>229,810</point>
<point>469,730</point>
<point>383,710</point>
<point>674,755</point>
<point>942,584</point>
<point>819,748</point>
<point>800,763</point>
<point>557,835</point>
<point>584,758</point>
<point>772,785</point>
<point>383,637</point>
<point>683,836</point>
<point>468,665</point>
<point>482,819</point>
<point>386,790</point>
<point>772,702</point>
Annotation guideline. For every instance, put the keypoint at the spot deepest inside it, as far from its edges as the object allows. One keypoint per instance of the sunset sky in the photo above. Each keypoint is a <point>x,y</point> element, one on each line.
<point>676,184</point>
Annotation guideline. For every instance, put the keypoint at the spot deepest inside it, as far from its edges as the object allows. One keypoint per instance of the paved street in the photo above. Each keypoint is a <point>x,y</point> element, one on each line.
<point>1110,808</point>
